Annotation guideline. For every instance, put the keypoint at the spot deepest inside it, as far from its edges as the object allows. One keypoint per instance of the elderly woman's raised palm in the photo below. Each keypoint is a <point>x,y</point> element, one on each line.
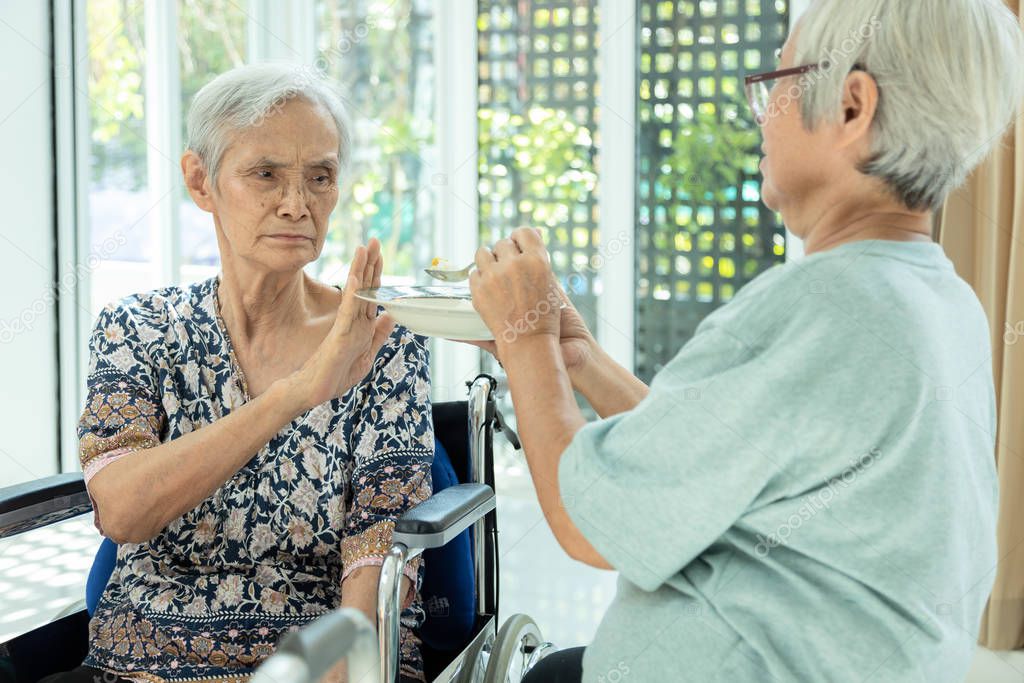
<point>346,354</point>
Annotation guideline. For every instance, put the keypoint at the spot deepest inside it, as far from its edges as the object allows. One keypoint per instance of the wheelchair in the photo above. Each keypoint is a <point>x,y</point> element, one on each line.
<point>455,530</point>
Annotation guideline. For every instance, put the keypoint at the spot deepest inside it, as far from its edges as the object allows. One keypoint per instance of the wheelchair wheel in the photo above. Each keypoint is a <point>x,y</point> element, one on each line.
<point>518,639</point>
<point>474,659</point>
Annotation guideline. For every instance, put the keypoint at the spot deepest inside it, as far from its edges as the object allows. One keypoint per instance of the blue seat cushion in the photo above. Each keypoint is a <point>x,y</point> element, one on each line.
<point>448,590</point>
<point>99,575</point>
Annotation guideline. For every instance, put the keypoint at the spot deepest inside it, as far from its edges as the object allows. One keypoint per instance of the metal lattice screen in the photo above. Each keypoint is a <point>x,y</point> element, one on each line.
<point>537,81</point>
<point>702,231</point>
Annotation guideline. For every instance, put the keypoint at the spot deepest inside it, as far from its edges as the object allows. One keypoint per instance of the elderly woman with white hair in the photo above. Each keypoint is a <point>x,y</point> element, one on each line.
<point>249,440</point>
<point>806,492</point>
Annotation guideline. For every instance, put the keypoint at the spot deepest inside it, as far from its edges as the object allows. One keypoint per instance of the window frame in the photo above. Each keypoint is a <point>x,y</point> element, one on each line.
<point>294,25</point>
<point>455,234</point>
<point>617,106</point>
<point>71,151</point>
<point>163,134</point>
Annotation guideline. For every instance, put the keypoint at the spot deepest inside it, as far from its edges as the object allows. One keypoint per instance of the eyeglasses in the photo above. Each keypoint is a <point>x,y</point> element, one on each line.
<point>759,89</point>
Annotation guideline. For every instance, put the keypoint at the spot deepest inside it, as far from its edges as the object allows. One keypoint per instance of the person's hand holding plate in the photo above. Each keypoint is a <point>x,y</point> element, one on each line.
<point>514,290</point>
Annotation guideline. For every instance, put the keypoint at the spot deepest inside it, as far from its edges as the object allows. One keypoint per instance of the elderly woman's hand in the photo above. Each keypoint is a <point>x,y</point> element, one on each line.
<point>577,343</point>
<point>514,290</point>
<point>574,337</point>
<point>347,353</point>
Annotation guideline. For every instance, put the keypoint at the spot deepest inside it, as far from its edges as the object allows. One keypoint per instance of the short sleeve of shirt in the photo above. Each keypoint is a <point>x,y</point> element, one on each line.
<point>123,412</point>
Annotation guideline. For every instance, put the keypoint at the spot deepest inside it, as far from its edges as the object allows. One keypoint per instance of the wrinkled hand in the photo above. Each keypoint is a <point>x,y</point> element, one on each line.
<point>347,353</point>
<point>514,290</point>
<point>576,341</point>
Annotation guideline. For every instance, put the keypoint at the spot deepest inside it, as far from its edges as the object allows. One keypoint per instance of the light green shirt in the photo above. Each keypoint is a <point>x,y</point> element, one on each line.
<point>808,493</point>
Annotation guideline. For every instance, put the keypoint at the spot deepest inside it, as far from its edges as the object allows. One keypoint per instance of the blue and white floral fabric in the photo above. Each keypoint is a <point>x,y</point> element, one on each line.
<point>209,597</point>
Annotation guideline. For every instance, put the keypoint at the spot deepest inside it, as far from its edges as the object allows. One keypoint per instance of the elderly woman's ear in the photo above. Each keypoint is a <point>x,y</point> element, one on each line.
<point>859,108</point>
<point>196,180</point>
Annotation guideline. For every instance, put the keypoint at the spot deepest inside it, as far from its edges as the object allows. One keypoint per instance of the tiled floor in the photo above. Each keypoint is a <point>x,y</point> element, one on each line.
<point>997,667</point>
<point>43,573</point>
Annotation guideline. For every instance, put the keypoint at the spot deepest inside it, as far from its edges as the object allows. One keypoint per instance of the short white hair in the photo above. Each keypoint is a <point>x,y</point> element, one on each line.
<point>242,98</point>
<point>950,80</point>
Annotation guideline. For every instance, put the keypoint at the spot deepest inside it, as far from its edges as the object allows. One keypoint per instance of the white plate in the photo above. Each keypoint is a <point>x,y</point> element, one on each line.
<point>433,311</point>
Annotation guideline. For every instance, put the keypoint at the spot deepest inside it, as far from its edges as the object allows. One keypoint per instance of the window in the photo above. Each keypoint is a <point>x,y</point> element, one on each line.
<point>702,231</point>
<point>381,54</point>
<point>212,39</point>
<point>699,231</point>
<point>537,121</point>
<point>135,226</point>
<point>118,189</point>
<point>141,220</point>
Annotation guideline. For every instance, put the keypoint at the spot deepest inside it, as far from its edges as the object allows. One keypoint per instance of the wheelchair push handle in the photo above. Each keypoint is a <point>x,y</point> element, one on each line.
<point>486,390</point>
<point>503,427</point>
<point>498,388</point>
<point>308,654</point>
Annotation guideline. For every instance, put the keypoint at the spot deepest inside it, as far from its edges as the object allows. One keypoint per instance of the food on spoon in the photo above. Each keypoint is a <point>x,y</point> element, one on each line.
<point>440,263</point>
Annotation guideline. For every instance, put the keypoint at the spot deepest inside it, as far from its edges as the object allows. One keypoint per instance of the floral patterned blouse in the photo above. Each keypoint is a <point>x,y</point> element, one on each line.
<point>209,597</point>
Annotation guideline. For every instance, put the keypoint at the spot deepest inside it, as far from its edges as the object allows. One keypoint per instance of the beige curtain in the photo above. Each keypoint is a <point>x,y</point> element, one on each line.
<point>982,230</point>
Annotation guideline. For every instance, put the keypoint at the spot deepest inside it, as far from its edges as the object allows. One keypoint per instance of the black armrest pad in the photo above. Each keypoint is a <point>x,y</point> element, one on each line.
<point>39,503</point>
<point>444,509</point>
<point>42,490</point>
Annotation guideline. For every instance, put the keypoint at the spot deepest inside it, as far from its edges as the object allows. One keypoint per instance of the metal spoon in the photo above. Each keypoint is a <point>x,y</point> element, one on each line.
<point>450,275</point>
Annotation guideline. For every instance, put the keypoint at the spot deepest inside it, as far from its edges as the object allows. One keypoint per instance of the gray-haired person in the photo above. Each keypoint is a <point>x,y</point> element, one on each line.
<point>249,440</point>
<point>806,492</point>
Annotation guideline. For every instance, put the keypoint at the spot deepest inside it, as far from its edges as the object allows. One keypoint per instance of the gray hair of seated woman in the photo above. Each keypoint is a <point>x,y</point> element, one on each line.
<point>950,76</point>
<point>244,97</point>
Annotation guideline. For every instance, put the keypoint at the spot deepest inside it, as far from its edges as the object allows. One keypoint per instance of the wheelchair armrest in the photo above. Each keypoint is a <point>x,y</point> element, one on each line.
<point>45,501</point>
<point>443,516</point>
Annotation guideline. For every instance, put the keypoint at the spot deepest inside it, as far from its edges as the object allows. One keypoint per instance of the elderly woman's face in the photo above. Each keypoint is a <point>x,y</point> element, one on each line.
<point>277,186</point>
<point>796,161</point>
